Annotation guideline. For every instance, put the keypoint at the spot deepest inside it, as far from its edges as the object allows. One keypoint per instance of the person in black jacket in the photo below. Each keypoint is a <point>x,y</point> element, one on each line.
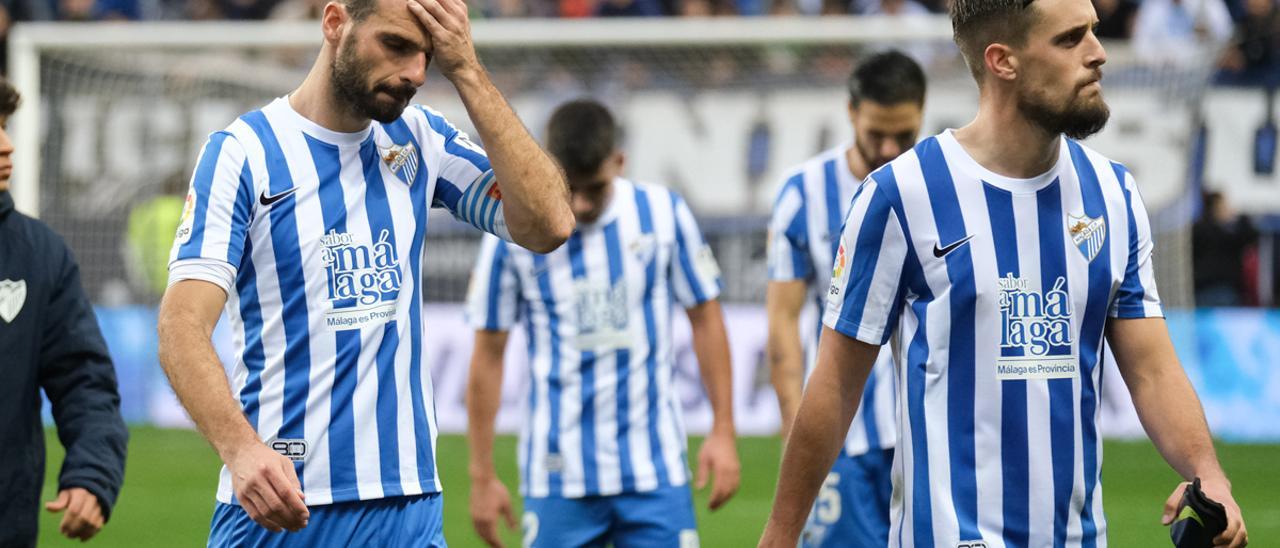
<point>49,339</point>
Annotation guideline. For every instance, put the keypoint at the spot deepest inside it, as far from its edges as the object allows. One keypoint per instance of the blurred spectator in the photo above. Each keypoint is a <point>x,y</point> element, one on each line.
<point>1180,32</point>
<point>1251,59</point>
<point>1115,18</point>
<point>1219,241</point>
<point>889,7</point>
<point>629,8</point>
<point>707,8</point>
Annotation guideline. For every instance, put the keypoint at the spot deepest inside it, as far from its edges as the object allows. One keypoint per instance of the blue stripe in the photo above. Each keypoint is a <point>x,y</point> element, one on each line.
<point>684,253</point>
<point>241,214</point>
<point>525,469</point>
<point>254,355</point>
<point>1091,332</point>
<point>342,436</point>
<point>399,132</point>
<point>378,211</point>
<point>862,264</point>
<point>553,377</point>
<point>442,126</point>
<point>447,195</point>
<point>1013,393</point>
<point>915,370</point>
<point>1053,267</point>
<point>288,256</point>
<point>587,372</point>
<point>202,183</point>
<point>651,332</point>
<point>835,213</point>
<point>1131,293</point>
<point>492,322</point>
<point>797,231</point>
<point>613,244</point>
<point>960,361</point>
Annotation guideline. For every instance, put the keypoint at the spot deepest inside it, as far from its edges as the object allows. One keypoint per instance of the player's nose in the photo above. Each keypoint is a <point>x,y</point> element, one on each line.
<point>6,144</point>
<point>415,72</point>
<point>1095,53</point>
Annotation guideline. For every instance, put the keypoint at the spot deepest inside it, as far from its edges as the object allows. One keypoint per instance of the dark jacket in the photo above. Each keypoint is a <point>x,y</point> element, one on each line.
<point>49,339</point>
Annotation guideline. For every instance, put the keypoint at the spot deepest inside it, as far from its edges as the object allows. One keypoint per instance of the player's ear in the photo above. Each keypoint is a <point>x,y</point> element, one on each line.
<point>619,160</point>
<point>332,20</point>
<point>1001,61</point>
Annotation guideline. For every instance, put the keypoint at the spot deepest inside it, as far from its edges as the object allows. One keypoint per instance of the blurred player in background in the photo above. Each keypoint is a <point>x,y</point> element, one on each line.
<point>306,219</point>
<point>996,258</point>
<point>602,450</point>
<point>49,340</point>
<point>886,102</point>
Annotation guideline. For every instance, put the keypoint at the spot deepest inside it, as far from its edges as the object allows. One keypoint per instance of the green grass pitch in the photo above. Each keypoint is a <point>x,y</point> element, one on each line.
<point>168,494</point>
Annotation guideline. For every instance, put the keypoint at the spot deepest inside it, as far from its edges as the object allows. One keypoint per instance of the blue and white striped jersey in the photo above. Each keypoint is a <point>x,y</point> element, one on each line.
<point>995,293</point>
<point>603,417</point>
<point>317,237</point>
<point>807,215</point>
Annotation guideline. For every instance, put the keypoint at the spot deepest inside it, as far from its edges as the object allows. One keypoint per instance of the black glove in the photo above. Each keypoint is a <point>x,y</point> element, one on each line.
<point>1198,520</point>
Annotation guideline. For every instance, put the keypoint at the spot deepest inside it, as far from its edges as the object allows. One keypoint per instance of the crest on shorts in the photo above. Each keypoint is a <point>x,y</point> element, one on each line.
<point>12,296</point>
<point>401,160</point>
<point>1088,233</point>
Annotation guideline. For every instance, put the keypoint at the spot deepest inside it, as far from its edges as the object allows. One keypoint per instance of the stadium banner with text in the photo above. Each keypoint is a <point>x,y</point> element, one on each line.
<point>1231,356</point>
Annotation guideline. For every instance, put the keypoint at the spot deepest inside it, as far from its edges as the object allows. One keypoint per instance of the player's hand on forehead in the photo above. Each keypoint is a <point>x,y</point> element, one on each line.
<point>449,29</point>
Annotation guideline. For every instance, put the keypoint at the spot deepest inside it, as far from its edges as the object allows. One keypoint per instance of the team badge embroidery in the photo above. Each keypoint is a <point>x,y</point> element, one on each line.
<point>401,160</point>
<point>1088,233</point>
<point>12,296</point>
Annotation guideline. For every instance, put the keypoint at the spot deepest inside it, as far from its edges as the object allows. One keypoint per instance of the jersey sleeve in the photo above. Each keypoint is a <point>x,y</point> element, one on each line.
<point>465,183</point>
<point>868,272</point>
<point>216,215</point>
<point>493,297</point>
<point>1137,296</point>
<point>788,246</point>
<point>695,276</point>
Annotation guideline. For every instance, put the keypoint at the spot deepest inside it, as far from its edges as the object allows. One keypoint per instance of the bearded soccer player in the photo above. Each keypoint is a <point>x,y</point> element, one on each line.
<point>886,101</point>
<point>996,259</point>
<point>306,219</point>
<point>602,455</point>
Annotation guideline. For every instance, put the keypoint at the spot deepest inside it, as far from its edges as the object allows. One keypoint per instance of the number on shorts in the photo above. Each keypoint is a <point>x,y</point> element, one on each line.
<point>827,510</point>
<point>529,522</point>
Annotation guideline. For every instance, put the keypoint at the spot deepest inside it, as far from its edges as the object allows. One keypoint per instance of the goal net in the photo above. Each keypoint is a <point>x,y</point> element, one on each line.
<point>114,117</point>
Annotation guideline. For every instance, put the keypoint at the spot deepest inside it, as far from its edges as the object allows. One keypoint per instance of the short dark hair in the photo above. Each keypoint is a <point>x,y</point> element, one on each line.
<point>9,98</point>
<point>887,78</point>
<point>581,135</point>
<point>359,10</point>
<point>977,24</point>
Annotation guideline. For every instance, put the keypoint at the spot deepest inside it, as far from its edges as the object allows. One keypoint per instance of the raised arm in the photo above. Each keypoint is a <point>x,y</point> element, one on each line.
<point>490,499</point>
<point>719,453</point>
<point>783,303</point>
<point>829,403</point>
<point>1172,415</point>
<point>264,481</point>
<point>535,196</point>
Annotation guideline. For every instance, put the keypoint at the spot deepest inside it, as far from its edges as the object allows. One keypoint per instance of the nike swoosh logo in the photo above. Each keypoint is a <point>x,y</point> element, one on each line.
<point>268,199</point>
<point>941,252</point>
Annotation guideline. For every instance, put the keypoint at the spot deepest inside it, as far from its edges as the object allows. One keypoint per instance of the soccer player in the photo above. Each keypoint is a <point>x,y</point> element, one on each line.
<point>886,101</point>
<point>306,220</point>
<point>602,450</point>
<point>49,340</point>
<point>995,259</point>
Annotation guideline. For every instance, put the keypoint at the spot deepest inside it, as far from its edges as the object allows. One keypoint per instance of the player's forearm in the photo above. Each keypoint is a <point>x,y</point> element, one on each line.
<point>484,396</point>
<point>535,196</point>
<point>188,359</point>
<point>786,367</point>
<point>711,346</point>
<point>1174,420</point>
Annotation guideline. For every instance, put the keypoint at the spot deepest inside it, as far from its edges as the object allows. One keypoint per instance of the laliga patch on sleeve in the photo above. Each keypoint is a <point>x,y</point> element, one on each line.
<point>705,263</point>
<point>187,223</point>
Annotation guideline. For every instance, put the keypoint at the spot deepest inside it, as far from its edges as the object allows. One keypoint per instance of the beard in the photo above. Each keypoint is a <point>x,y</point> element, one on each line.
<point>1078,118</point>
<point>350,85</point>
